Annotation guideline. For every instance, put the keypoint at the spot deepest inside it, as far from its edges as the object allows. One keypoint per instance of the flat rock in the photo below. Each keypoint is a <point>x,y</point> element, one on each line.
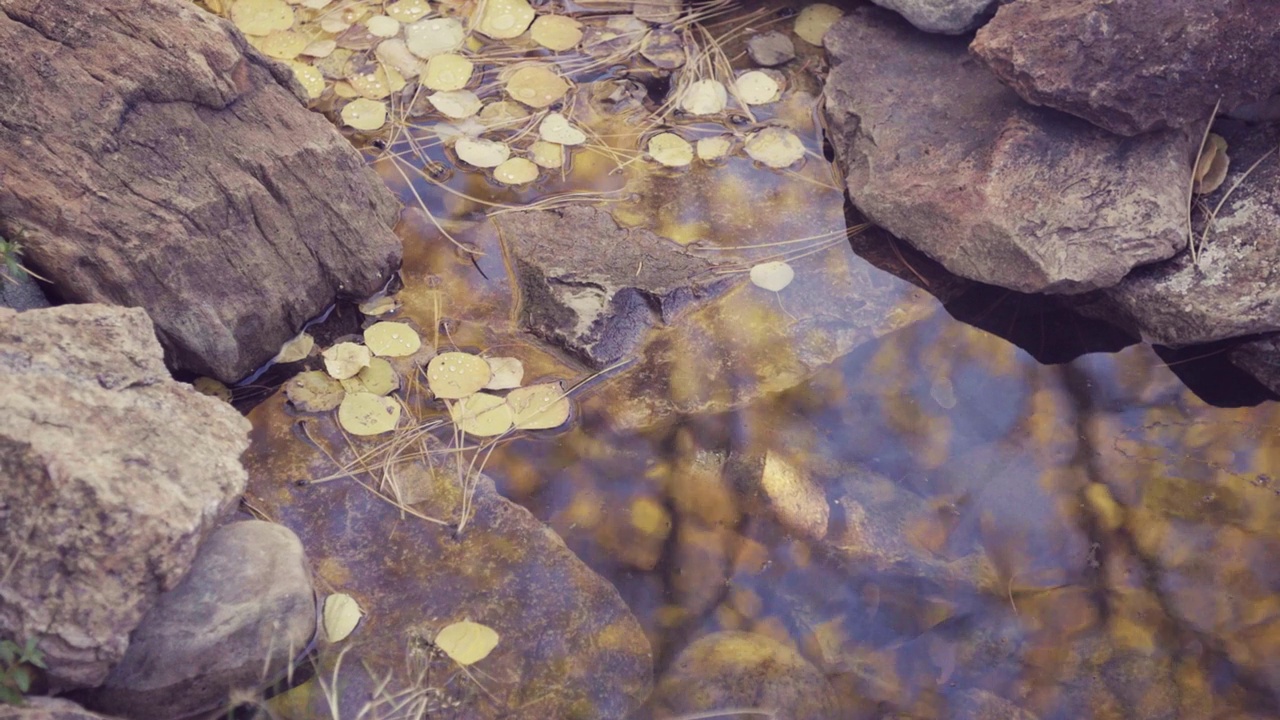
<point>950,17</point>
<point>169,166</point>
<point>1234,290</point>
<point>113,472</point>
<point>1133,66</point>
<point>47,708</point>
<point>568,645</point>
<point>743,671</point>
<point>236,622</point>
<point>942,155</point>
<point>595,288</point>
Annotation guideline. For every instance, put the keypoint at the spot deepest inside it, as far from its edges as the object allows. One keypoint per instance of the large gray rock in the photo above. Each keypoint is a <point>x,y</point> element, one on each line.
<point>169,166</point>
<point>1234,289</point>
<point>113,474</point>
<point>235,623</point>
<point>1132,66</point>
<point>942,16</point>
<point>47,708</point>
<point>942,155</point>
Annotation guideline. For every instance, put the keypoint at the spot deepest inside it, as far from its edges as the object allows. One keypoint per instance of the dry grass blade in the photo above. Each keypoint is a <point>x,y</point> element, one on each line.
<point>1191,184</point>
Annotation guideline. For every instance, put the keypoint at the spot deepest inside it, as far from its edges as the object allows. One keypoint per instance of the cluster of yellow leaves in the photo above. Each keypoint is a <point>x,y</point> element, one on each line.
<point>461,377</point>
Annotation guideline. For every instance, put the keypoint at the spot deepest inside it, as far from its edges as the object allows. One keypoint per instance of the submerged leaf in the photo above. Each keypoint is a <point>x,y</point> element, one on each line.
<point>714,148</point>
<point>314,391</point>
<point>772,276</point>
<point>454,375</point>
<point>212,388</point>
<point>776,147</point>
<point>756,88</point>
<point>547,154</point>
<point>481,153</point>
<point>555,128</point>
<point>815,20</point>
<point>671,150</point>
<point>363,413</point>
<point>341,615</point>
<point>482,415</point>
<point>365,114</point>
<point>467,642</point>
<point>704,97</point>
<point>539,407</point>
<point>536,86</point>
<point>456,104</point>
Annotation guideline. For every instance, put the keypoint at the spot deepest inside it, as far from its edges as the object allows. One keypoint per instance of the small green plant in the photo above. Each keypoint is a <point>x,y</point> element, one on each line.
<point>16,674</point>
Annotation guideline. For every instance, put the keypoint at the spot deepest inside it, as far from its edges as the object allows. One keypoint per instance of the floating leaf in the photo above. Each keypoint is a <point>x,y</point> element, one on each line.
<point>365,114</point>
<point>454,375</point>
<point>341,615</point>
<point>776,147</point>
<point>379,378</point>
<point>311,79</point>
<point>261,17</point>
<point>212,388</point>
<point>773,276</point>
<point>447,71</point>
<point>555,128</point>
<point>395,54</point>
<point>546,154</point>
<point>671,150</point>
<point>456,104</point>
<point>379,305</point>
<point>427,38</point>
<point>704,97</point>
<point>798,501</point>
<point>378,84</point>
<point>503,113</point>
<point>505,19</point>
<point>407,11</point>
<point>556,32</point>
<point>392,339</point>
<point>320,48</point>
<point>466,642</point>
<point>539,407</point>
<point>516,171</point>
<point>714,148</point>
<point>283,45</point>
<point>536,86</point>
<point>296,349</point>
<point>382,26</point>
<point>507,373</point>
<point>314,391</point>
<point>345,359</point>
<point>815,20</point>
<point>756,88</point>
<point>482,415</point>
<point>364,413</point>
<point>481,153</point>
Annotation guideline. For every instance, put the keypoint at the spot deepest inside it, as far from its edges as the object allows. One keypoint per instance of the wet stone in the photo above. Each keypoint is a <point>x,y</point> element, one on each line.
<point>771,49</point>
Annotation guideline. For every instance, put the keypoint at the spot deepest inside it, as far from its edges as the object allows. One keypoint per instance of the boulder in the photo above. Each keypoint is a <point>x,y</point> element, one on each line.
<point>1133,66</point>
<point>595,288</point>
<point>47,708</point>
<point>942,155</point>
<point>169,166</point>
<point>113,473</point>
<point>950,17</point>
<point>235,623</point>
<point>1261,359</point>
<point>1234,288</point>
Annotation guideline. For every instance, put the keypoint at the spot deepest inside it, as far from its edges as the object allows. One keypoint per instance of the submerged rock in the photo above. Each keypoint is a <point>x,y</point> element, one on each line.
<point>951,17</point>
<point>1132,66</point>
<point>237,621</point>
<point>169,166</point>
<point>113,473</point>
<point>941,154</point>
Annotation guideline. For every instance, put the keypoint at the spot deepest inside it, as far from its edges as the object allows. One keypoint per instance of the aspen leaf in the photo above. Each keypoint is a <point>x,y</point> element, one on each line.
<point>434,36</point>
<point>296,349</point>
<point>212,388</point>
<point>345,359</point>
<point>365,114</point>
<point>756,88</point>
<point>1211,168</point>
<point>407,11</point>
<point>466,642</point>
<point>447,71</point>
<point>311,79</point>
<point>798,501</point>
<point>320,48</point>
<point>815,20</point>
<point>556,32</point>
<point>704,97</point>
<point>283,45</point>
<point>456,104</point>
<point>671,150</point>
<point>378,84</point>
<point>555,128</point>
<point>391,339</point>
<point>505,19</point>
<point>314,391</point>
<point>714,148</point>
<point>379,305</point>
<point>382,26</point>
<point>546,154</point>
<point>394,54</point>
<point>503,113</point>
<point>379,378</point>
<point>772,276</point>
<point>261,17</point>
<point>516,171</point>
<point>482,415</point>
<point>481,153</point>
<point>340,617</point>
<point>536,86</point>
<point>454,375</point>
<point>363,413</point>
<point>775,147</point>
<point>507,373</point>
<point>539,407</point>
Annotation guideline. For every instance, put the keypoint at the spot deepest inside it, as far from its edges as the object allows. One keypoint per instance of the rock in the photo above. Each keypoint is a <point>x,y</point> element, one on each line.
<point>47,708</point>
<point>742,670</point>
<point>1234,290</point>
<point>771,49</point>
<point>595,288</point>
<point>942,155</point>
<point>169,166</point>
<point>568,645</point>
<point>658,11</point>
<point>235,622</point>
<point>21,293</point>
<point>951,17</point>
<point>1132,66</point>
<point>113,472</point>
<point>1261,359</point>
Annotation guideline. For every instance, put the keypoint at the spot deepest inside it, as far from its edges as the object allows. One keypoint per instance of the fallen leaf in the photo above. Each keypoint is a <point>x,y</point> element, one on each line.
<point>507,373</point>
<point>447,71</point>
<point>320,48</point>
<point>283,45</point>
<point>392,339</point>
<point>314,391</point>
<point>363,413</point>
<point>775,147</point>
<point>556,32</point>
<point>454,375</point>
<point>516,171</point>
<point>756,88</point>
<point>555,128</point>
<point>379,378</point>
<point>1211,168</point>
<point>481,153</point>
<point>261,17</point>
<point>539,407</point>
<point>482,415</point>
<point>407,11</point>
<point>466,642</point>
<point>382,26</point>
<point>379,305</point>
<point>815,20</point>
<point>296,349</point>
<point>365,114</point>
<point>547,154</point>
<point>714,148</point>
<point>664,48</point>
<point>377,85</point>
<point>394,54</point>
<point>456,104</point>
<point>536,86</point>
<point>433,36</point>
<point>704,97</point>
<point>671,150</point>
<point>773,276</point>
<point>311,79</point>
<point>345,359</point>
<point>212,388</point>
<point>341,615</point>
<point>505,19</point>
<point>799,503</point>
<point>503,113</point>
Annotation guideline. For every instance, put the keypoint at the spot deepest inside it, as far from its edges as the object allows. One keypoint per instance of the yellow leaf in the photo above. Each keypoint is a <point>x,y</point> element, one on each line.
<point>539,407</point>
<point>555,128</point>
<point>261,17</point>
<point>756,88</point>
<point>365,114</point>
<point>704,97</point>
<point>407,11</point>
<point>507,373</point>
<point>714,148</point>
<point>341,615</point>
<point>433,36</point>
<point>296,349</point>
<point>345,359</point>
<point>391,339</point>
<point>467,642</point>
<point>815,20</point>
<point>546,154</point>
<point>213,388</point>
<point>505,19</point>
<point>482,415</point>
<point>481,153</point>
<point>364,413</point>
<point>516,171</point>
<point>556,32</point>
<point>314,391</point>
<point>456,104</point>
<point>776,147</point>
<point>454,375</point>
<point>382,26</point>
<point>671,150</point>
<point>536,86</point>
<point>772,276</point>
<point>283,45</point>
<point>379,378</point>
<point>447,71</point>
